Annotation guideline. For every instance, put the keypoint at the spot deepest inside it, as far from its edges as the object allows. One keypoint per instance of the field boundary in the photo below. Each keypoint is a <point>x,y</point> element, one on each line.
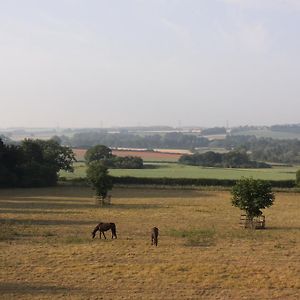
<point>177,182</point>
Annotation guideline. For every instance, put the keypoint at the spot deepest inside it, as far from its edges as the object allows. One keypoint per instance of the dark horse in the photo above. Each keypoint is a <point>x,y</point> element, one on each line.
<point>154,236</point>
<point>104,227</point>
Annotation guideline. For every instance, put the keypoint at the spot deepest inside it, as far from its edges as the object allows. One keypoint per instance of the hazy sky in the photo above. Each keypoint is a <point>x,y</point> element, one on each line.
<point>92,63</point>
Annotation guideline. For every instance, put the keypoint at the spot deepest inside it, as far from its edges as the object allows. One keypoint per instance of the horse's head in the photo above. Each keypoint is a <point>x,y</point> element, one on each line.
<point>95,230</point>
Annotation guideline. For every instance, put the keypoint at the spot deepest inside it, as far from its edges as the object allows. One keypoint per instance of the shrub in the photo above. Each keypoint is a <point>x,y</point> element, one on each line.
<point>251,196</point>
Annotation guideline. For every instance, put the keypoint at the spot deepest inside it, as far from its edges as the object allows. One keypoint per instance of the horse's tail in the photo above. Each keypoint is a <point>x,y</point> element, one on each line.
<point>113,229</point>
<point>95,230</point>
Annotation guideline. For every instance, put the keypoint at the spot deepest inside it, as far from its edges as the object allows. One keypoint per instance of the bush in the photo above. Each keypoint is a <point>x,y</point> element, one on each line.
<point>252,195</point>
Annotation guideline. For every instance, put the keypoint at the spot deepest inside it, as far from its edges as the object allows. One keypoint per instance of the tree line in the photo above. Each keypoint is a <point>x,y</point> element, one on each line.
<point>264,149</point>
<point>33,163</point>
<point>231,159</point>
<point>170,140</point>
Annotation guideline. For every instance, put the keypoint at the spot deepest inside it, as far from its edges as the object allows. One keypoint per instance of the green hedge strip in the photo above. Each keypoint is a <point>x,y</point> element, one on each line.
<point>166,181</point>
<point>193,181</point>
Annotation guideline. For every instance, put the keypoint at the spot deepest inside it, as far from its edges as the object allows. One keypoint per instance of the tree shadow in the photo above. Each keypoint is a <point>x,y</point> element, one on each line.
<point>283,228</point>
<point>43,204</point>
<point>136,206</point>
<point>153,166</point>
<point>13,221</point>
<point>22,288</point>
<point>144,192</point>
<point>37,212</point>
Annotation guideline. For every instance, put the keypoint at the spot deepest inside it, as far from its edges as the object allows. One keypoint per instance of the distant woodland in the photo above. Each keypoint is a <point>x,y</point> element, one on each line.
<point>259,149</point>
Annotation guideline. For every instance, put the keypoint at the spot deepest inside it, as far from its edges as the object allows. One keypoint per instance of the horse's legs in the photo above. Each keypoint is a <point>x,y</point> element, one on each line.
<point>103,234</point>
<point>113,234</point>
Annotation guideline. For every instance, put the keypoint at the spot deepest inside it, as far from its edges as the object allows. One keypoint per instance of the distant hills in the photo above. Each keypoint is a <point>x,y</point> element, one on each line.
<point>287,131</point>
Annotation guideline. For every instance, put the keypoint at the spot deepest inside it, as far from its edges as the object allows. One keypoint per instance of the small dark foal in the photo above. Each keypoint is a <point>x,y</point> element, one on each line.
<point>154,236</point>
<point>104,227</point>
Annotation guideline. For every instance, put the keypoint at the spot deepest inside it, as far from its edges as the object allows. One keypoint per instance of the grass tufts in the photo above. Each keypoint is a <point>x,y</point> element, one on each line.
<point>195,237</point>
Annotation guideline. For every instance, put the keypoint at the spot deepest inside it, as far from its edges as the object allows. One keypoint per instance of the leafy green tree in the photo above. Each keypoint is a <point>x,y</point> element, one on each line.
<point>298,178</point>
<point>97,175</point>
<point>60,157</point>
<point>33,163</point>
<point>42,160</point>
<point>97,153</point>
<point>252,195</point>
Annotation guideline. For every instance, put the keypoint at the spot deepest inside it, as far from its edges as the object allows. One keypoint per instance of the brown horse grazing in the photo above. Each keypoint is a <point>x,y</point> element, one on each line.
<point>154,236</point>
<point>104,227</point>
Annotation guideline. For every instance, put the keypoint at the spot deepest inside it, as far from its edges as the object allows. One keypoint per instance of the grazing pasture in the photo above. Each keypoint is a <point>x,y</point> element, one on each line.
<point>47,251</point>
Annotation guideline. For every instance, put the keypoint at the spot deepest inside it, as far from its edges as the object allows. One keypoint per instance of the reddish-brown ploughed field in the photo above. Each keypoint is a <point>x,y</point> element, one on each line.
<point>146,155</point>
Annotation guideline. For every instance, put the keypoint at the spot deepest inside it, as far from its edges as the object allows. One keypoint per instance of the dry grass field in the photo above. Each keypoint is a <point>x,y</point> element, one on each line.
<point>47,251</point>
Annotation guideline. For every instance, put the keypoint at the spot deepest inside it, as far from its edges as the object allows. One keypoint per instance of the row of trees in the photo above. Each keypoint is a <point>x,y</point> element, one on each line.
<point>33,163</point>
<point>263,149</point>
<point>129,140</point>
<point>232,159</point>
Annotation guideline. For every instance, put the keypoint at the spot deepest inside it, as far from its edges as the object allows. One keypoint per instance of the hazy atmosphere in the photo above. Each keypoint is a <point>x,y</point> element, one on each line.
<point>75,63</point>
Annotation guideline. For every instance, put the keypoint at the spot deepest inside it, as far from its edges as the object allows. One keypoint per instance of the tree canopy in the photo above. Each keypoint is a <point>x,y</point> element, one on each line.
<point>232,159</point>
<point>252,195</point>
<point>33,163</point>
<point>97,175</point>
<point>98,152</point>
<point>104,155</point>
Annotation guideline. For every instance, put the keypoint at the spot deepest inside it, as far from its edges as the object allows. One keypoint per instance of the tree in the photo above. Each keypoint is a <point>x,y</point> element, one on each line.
<point>60,157</point>
<point>42,160</point>
<point>298,178</point>
<point>251,196</point>
<point>33,163</point>
<point>10,161</point>
<point>98,152</point>
<point>97,175</point>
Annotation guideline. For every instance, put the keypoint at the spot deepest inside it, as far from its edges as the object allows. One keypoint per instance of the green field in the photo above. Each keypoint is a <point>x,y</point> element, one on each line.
<point>174,170</point>
<point>47,251</point>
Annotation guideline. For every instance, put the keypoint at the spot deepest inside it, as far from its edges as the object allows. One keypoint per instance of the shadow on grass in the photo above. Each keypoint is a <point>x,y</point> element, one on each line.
<point>45,222</point>
<point>40,204</point>
<point>135,206</point>
<point>146,192</point>
<point>37,212</point>
<point>283,228</point>
<point>23,288</point>
<point>154,166</point>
